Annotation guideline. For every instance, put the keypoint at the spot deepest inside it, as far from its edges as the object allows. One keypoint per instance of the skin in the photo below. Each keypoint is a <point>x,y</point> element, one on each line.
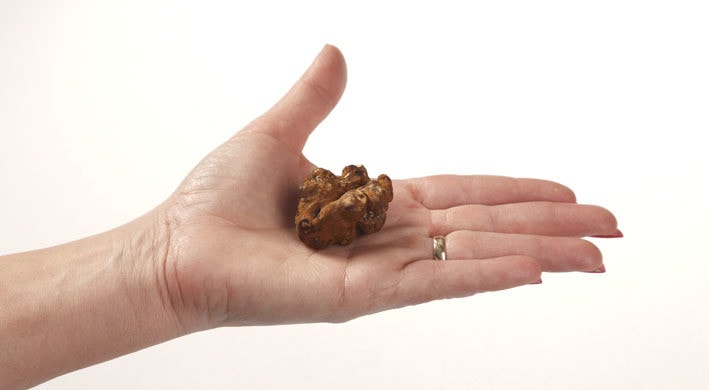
<point>222,250</point>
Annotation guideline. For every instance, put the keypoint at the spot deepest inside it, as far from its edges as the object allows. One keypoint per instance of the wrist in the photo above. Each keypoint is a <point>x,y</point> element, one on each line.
<point>77,304</point>
<point>176,283</point>
<point>144,245</point>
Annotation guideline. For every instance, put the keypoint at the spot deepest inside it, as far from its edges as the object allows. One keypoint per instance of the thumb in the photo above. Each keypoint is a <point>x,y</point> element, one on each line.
<point>308,102</point>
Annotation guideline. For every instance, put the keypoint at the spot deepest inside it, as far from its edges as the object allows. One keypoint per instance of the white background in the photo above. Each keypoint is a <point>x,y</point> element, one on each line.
<point>106,105</point>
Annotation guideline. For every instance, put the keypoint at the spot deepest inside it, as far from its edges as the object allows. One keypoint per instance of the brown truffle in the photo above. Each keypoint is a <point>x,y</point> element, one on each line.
<point>333,209</point>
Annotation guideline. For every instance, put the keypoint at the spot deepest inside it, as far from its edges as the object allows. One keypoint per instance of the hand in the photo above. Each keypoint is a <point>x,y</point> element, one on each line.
<point>223,250</point>
<point>233,257</point>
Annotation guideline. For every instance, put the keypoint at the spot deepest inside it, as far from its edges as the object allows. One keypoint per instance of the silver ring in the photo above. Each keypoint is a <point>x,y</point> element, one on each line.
<point>439,248</point>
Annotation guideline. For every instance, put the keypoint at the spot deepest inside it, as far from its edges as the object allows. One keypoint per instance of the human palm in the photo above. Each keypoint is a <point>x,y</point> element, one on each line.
<point>234,257</point>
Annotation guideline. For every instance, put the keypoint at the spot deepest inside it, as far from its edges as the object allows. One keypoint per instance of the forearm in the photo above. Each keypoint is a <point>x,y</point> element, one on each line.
<point>70,306</point>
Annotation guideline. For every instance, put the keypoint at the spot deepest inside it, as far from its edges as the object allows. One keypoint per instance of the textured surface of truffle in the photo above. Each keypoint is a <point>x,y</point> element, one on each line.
<point>334,209</point>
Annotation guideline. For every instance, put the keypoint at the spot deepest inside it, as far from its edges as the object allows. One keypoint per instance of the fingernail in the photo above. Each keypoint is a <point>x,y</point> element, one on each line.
<point>537,282</point>
<point>599,270</point>
<point>616,234</point>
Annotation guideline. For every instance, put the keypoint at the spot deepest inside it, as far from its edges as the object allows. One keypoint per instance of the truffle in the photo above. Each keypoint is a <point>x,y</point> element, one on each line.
<point>334,209</point>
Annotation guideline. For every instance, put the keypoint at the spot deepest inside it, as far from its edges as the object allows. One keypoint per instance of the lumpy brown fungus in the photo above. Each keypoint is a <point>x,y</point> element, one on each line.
<point>334,209</point>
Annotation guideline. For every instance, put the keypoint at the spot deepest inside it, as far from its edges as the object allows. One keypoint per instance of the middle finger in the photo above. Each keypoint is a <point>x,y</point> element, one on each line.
<point>543,218</point>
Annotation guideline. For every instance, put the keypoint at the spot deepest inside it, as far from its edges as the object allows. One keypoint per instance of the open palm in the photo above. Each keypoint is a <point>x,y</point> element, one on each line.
<point>234,257</point>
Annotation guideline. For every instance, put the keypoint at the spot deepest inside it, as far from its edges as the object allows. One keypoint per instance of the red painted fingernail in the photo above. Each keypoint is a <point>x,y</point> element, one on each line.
<point>616,234</point>
<point>599,270</point>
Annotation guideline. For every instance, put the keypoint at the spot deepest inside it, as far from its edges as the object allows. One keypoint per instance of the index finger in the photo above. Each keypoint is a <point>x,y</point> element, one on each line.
<point>445,191</point>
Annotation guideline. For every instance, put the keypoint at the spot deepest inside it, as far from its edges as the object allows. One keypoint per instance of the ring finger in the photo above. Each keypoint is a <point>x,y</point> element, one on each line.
<point>555,254</point>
